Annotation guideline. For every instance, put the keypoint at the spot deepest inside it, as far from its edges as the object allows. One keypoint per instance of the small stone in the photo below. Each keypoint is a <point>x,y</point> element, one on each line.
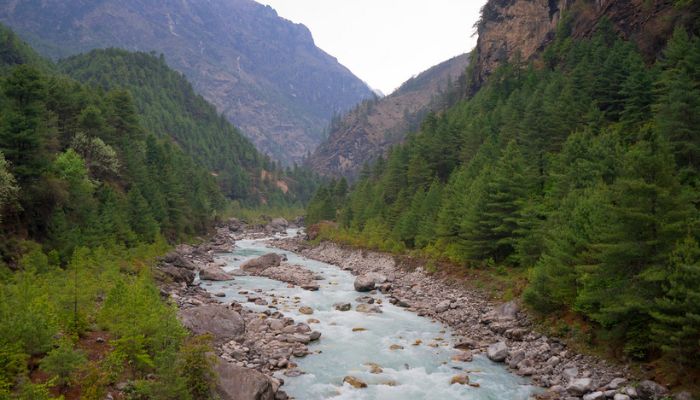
<point>594,396</point>
<point>395,347</point>
<point>620,396</point>
<point>100,339</point>
<point>358,329</point>
<point>354,382</point>
<point>463,356</point>
<point>306,310</point>
<point>368,308</point>
<point>313,321</point>
<point>442,306</point>
<point>315,335</point>
<point>616,383</point>
<point>374,368</point>
<point>461,379</point>
<point>418,342</point>
<point>343,306</point>
<point>220,294</point>
<point>650,390</point>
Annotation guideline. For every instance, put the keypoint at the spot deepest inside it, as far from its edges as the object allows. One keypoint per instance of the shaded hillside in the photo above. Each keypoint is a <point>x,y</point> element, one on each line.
<point>369,130</point>
<point>263,72</point>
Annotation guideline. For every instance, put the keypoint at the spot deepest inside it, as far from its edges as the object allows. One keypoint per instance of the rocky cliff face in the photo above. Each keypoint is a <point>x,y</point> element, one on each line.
<point>374,126</point>
<point>263,72</point>
<point>523,28</point>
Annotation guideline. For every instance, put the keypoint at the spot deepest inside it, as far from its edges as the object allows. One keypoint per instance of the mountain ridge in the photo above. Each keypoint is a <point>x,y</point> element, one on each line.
<point>371,128</point>
<point>253,65</point>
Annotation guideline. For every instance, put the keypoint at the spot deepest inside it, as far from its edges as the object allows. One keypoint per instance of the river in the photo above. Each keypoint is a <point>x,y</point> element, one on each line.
<point>421,368</point>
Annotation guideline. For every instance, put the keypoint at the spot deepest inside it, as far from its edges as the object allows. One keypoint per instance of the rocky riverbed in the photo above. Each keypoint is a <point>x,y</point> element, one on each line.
<point>501,331</point>
<point>258,345</point>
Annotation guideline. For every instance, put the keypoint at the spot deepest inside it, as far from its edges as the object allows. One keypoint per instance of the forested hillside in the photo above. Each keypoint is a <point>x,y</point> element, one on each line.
<point>88,198</point>
<point>581,169</point>
<point>169,108</point>
<point>373,126</point>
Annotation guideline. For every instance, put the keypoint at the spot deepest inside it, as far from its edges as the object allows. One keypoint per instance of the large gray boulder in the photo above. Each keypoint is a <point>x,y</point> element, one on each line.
<point>261,263</point>
<point>237,383</point>
<point>579,387</point>
<point>222,323</point>
<point>650,390</point>
<point>497,352</point>
<point>368,282</point>
<point>277,225</point>
<point>214,273</point>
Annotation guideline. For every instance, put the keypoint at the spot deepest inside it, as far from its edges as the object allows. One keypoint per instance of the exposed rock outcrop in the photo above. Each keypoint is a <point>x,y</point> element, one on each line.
<point>523,28</point>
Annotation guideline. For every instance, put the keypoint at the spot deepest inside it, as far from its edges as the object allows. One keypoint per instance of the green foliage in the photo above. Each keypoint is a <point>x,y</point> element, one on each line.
<point>8,187</point>
<point>63,362</point>
<point>196,364</point>
<point>584,173</point>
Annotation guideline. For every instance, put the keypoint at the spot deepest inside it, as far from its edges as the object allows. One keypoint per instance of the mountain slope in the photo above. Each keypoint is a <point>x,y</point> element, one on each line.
<point>169,108</point>
<point>263,72</point>
<point>370,129</point>
<point>518,28</point>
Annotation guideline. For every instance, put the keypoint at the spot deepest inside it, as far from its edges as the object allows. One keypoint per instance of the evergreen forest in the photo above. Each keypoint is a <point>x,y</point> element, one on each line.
<point>579,171</point>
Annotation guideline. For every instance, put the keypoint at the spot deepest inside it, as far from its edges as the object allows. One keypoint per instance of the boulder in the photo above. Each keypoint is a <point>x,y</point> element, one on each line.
<point>442,306</point>
<point>342,306</point>
<point>368,282</point>
<point>497,352</point>
<point>306,310</point>
<point>594,396</point>
<point>463,356</point>
<point>176,259</point>
<point>368,308</point>
<point>214,273</point>
<point>616,383</point>
<point>620,396</point>
<point>256,265</point>
<point>237,383</point>
<point>277,225</point>
<point>176,274</point>
<point>650,390</point>
<point>222,323</point>
<point>508,310</point>
<point>579,387</point>
<point>364,283</point>
<point>354,382</point>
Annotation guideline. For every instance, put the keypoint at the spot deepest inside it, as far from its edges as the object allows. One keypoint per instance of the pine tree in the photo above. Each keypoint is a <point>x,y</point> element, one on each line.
<point>677,312</point>
<point>646,214</point>
<point>492,228</point>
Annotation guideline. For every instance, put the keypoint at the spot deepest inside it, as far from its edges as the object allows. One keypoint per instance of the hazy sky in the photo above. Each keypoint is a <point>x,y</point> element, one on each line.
<point>385,42</point>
